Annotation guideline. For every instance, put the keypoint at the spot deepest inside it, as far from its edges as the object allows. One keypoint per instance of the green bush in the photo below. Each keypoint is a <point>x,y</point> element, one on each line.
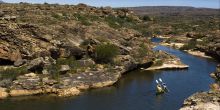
<point>54,71</point>
<point>83,19</point>
<point>142,51</point>
<point>106,52</point>
<point>118,22</point>
<point>71,61</point>
<point>190,45</point>
<point>158,62</point>
<point>147,18</point>
<point>54,68</point>
<point>12,73</point>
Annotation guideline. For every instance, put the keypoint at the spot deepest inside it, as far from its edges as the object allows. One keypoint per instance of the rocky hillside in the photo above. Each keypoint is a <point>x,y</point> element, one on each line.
<point>203,101</point>
<point>65,49</point>
<point>31,31</point>
<point>198,27</point>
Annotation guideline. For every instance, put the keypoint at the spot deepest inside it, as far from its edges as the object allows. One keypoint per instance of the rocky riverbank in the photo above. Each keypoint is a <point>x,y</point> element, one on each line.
<point>205,100</point>
<point>174,63</point>
<point>67,85</point>
<point>68,48</point>
<point>202,45</point>
<point>198,53</point>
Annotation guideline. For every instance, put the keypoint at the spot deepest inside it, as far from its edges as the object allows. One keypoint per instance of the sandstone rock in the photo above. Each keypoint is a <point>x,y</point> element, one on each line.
<point>30,75</point>
<point>84,63</point>
<point>99,67</point>
<point>3,93</point>
<point>45,72</point>
<point>24,92</point>
<point>202,101</point>
<point>36,64</point>
<point>215,86</point>
<point>48,81</point>
<point>127,61</point>
<point>102,84</point>
<point>75,51</point>
<point>9,54</point>
<point>82,86</point>
<point>68,92</point>
<point>29,81</point>
<point>203,106</point>
<point>64,68</point>
<point>19,62</point>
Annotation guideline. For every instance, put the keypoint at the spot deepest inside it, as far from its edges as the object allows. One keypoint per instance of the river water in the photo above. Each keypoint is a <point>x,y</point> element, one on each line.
<point>134,91</point>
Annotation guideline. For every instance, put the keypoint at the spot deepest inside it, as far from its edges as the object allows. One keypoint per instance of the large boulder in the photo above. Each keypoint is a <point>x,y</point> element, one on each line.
<point>36,64</point>
<point>127,61</point>
<point>64,68</point>
<point>87,62</point>
<point>75,51</point>
<point>19,62</point>
<point>3,93</point>
<point>9,55</point>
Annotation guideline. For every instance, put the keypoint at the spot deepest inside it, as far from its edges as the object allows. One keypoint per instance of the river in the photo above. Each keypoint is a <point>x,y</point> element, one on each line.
<point>134,91</point>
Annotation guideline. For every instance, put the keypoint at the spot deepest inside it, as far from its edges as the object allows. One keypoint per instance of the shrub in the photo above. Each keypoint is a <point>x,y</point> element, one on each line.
<point>147,18</point>
<point>71,61</point>
<point>158,62</point>
<point>118,22</point>
<point>54,71</point>
<point>190,45</point>
<point>12,73</point>
<point>83,19</point>
<point>106,52</point>
<point>142,51</point>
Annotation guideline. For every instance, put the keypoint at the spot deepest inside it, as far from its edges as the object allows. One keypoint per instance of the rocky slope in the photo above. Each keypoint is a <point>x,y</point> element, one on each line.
<point>65,49</point>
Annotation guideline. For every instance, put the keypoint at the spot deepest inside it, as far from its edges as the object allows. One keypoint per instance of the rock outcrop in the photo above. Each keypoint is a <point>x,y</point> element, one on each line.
<point>203,101</point>
<point>3,93</point>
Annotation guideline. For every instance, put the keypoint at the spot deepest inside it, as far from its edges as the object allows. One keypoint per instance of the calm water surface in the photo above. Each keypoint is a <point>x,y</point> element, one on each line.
<point>135,91</point>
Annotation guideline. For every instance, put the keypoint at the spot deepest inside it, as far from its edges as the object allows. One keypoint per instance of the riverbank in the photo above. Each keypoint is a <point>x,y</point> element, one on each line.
<point>66,85</point>
<point>198,53</point>
<point>70,84</point>
<point>203,101</point>
<point>209,100</point>
<point>179,46</point>
<point>169,64</point>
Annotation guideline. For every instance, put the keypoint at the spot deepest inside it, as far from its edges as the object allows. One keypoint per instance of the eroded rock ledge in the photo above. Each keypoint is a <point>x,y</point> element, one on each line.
<point>203,101</point>
<point>68,85</point>
<point>170,64</point>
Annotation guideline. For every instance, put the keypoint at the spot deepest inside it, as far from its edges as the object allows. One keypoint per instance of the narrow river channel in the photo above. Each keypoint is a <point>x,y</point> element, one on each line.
<point>134,91</point>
